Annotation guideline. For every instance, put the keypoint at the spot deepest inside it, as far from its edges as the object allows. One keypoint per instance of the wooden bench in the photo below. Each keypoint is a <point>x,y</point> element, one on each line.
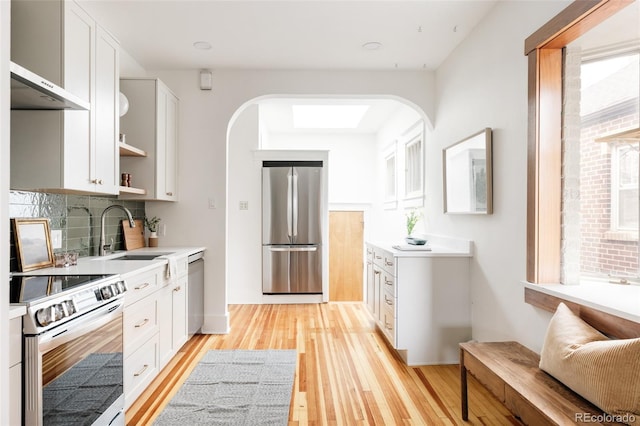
<point>510,371</point>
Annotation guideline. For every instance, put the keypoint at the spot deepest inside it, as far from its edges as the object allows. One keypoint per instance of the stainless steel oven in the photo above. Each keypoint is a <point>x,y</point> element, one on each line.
<point>73,365</point>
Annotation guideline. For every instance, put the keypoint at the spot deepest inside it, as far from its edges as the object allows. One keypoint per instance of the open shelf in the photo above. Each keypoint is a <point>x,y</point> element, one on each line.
<point>132,190</point>
<point>130,150</point>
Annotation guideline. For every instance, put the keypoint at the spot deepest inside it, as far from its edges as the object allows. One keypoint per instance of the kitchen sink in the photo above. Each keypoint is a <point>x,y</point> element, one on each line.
<point>146,256</point>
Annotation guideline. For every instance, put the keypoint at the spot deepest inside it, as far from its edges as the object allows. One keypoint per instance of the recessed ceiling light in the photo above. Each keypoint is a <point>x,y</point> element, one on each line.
<point>202,45</point>
<point>328,116</point>
<point>372,45</point>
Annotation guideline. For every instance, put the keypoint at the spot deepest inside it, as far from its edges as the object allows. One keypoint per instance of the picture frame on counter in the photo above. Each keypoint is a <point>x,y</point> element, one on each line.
<point>32,237</point>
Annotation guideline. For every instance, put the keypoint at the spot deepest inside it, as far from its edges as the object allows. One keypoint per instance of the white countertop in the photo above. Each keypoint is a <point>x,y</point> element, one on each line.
<point>436,246</point>
<point>16,311</point>
<point>103,265</point>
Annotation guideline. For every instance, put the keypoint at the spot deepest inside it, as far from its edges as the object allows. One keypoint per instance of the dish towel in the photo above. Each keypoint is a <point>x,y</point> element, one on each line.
<point>172,265</point>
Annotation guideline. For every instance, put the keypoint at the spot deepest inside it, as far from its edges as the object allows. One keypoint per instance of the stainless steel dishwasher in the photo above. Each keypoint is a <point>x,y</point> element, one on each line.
<point>196,293</point>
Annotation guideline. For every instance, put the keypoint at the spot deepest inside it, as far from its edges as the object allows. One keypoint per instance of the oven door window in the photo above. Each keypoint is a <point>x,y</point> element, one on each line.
<point>83,377</point>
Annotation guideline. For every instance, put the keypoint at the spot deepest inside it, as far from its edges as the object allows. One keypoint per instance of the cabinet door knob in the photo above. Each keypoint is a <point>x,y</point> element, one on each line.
<point>170,194</point>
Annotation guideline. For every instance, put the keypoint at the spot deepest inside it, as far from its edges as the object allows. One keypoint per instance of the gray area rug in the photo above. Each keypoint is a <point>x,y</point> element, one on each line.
<point>235,387</point>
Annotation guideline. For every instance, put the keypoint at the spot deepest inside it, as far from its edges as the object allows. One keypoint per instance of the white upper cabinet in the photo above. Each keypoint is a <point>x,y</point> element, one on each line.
<point>65,151</point>
<point>107,121</point>
<point>151,124</point>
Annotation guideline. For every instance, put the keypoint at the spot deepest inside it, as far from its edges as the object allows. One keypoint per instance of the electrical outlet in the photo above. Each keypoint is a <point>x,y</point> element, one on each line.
<point>56,238</point>
<point>212,203</point>
<point>244,205</point>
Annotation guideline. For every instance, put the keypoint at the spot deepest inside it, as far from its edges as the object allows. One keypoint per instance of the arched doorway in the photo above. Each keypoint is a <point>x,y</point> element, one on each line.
<point>356,163</point>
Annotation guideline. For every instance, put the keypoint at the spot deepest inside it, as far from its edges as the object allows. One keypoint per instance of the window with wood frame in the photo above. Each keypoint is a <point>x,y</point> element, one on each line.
<point>545,50</point>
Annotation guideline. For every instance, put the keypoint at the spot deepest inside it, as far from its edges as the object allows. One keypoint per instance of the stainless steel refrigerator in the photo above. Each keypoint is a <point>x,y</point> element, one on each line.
<point>292,227</point>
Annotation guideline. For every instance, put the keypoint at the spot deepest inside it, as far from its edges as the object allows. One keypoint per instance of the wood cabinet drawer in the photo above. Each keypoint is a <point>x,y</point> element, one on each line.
<point>385,260</point>
<point>141,285</point>
<point>140,368</point>
<point>140,323</point>
<point>388,283</point>
<point>370,253</point>
<point>15,341</point>
<point>389,302</point>
<point>388,323</point>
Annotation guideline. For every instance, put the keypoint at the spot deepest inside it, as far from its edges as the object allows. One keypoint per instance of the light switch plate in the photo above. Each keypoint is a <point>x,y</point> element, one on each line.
<point>244,205</point>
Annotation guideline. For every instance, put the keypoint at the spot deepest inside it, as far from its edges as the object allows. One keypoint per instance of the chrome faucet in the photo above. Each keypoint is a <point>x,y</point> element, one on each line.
<point>102,246</point>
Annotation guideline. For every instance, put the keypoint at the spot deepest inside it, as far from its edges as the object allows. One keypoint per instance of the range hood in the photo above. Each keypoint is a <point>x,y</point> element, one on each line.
<point>30,91</point>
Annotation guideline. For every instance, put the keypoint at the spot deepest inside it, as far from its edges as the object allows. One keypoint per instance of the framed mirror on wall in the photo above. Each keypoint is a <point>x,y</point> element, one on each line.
<point>467,175</point>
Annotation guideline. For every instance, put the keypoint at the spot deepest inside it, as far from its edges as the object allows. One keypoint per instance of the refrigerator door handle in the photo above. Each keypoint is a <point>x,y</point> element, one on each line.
<point>294,229</point>
<point>293,248</point>
<point>289,203</point>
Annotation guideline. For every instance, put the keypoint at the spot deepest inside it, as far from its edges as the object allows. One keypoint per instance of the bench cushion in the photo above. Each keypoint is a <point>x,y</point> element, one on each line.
<point>606,372</point>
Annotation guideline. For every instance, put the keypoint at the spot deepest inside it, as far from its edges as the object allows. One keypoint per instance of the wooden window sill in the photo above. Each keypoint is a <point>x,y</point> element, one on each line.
<point>612,308</point>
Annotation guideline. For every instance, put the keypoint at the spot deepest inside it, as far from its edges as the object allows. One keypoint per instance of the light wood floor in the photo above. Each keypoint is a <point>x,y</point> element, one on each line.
<point>346,374</point>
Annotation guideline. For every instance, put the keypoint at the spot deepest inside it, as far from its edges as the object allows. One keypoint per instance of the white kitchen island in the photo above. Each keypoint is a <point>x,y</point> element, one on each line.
<point>420,299</point>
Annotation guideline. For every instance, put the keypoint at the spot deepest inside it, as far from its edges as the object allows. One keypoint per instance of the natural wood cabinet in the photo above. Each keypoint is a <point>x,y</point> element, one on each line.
<point>151,124</point>
<point>66,151</point>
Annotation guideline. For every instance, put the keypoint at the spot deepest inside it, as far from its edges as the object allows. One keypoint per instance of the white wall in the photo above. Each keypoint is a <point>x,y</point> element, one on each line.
<point>5,43</point>
<point>204,120</point>
<point>244,227</point>
<point>389,224</point>
<point>484,84</point>
<point>352,158</point>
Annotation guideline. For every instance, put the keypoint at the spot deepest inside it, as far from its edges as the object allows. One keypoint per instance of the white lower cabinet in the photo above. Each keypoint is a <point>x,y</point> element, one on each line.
<point>140,368</point>
<point>421,302</point>
<point>155,325</point>
<point>15,371</point>
<point>173,325</point>
<point>141,333</point>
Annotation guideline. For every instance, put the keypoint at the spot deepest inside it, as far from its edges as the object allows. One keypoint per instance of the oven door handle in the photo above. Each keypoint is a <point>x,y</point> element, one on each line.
<point>74,329</point>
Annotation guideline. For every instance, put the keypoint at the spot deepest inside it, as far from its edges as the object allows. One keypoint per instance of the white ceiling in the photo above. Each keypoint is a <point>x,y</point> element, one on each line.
<point>276,114</point>
<point>291,34</point>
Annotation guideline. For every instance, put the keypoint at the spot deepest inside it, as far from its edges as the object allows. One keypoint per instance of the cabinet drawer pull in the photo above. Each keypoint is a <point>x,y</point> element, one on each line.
<point>177,288</point>
<point>170,194</point>
<point>141,286</point>
<point>376,272</point>
<point>141,324</point>
<point>378,257</point>
<point>388,326</point>
<point>387,262</point>
<point>388,282</point>
<point>388,301</point>
<point>139,373</point>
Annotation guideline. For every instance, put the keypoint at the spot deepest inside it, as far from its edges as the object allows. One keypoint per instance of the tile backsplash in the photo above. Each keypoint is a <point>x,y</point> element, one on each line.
<point>77,216</point>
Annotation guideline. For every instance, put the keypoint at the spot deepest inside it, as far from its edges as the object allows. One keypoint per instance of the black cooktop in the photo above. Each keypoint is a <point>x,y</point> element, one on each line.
<point>29,288</point>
